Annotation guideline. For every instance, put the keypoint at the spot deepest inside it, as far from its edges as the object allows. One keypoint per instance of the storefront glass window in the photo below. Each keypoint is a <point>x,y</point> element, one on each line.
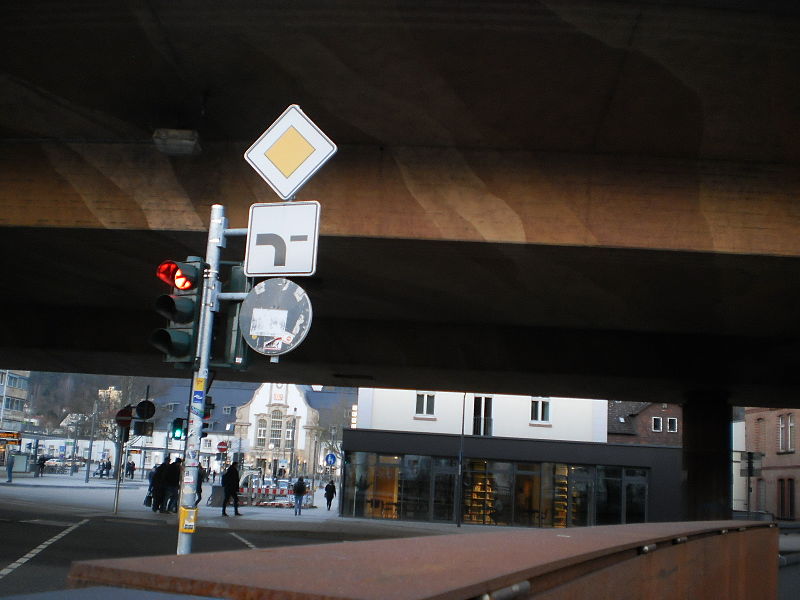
<point>528,496</point>
<point>560,495</point>
<point>609,496</point>
<point>487,493</point>
<point>581,496</point>
<point>415,488</point>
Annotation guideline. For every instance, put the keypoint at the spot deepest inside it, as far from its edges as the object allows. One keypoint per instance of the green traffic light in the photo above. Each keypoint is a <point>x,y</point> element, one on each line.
<point>178,429</point>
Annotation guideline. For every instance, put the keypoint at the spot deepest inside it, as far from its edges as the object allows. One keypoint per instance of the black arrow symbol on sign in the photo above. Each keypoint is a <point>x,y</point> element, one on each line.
<point>278,244</point>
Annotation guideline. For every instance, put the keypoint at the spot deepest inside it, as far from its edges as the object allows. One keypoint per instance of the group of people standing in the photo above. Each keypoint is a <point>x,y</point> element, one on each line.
<point>103,468</point>
<point>165,485</point>
<point>164,489</point>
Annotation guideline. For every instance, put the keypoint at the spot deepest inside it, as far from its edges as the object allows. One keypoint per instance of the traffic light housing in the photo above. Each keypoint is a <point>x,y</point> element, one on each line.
<point>178,429</point>
<point>207,412</point>
<point>178,341</point>
<point>229,350</point>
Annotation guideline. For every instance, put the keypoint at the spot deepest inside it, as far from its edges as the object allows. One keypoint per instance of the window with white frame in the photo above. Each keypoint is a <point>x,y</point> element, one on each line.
<point>672,424</point>
<point>781,433</point>
<point>276,428</point>
<point>482,415</point>
<point>786,433</point>
<point>261,433</point>
<point>540,410</point>
<point>170,407</point>
<point>425,403</point>
<point>206,443</point>
<point>290,430</point>
<point>657,424</point>
<point>226,410</point>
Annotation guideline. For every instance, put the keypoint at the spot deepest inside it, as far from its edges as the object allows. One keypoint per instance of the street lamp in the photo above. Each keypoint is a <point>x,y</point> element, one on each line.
<point>293,431</point>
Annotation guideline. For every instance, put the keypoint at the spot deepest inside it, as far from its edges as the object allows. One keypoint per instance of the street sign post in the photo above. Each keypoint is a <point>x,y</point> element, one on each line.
<point>289,152</point>
<point>330,459</point>
<point>282,239</point>
<point>222,447</point>
<point>124,416</point>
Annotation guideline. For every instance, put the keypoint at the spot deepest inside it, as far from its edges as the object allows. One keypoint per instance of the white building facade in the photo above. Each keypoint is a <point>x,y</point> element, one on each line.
<point>279,431</point>
<point>497,415</point>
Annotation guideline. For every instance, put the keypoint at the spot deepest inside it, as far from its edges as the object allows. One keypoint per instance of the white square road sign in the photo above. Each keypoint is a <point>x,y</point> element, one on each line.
<point>290,152</point>
<point>282,239</point>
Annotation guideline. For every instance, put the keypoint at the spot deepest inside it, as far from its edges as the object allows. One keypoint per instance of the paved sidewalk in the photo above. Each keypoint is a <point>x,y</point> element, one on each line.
<point>66,490</point>
<point>78,480</point>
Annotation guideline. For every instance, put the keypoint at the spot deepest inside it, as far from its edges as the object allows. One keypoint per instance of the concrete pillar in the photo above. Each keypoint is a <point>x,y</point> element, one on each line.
<point>707,455</point>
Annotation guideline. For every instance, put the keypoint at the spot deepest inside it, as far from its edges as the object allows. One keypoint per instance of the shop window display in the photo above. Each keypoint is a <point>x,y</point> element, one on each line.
<point>416,487</point>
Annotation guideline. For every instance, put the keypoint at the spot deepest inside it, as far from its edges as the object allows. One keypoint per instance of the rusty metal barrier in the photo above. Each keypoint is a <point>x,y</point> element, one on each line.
<point>734,560</point>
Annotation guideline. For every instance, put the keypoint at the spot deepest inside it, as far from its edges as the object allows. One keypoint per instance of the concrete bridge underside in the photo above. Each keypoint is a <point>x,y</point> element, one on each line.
<point>556,197</point>
<point>563,197</point>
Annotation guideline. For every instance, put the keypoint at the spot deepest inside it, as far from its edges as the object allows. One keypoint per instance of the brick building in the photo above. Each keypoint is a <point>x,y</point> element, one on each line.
<point>771,432</point>
<point>644,423</point>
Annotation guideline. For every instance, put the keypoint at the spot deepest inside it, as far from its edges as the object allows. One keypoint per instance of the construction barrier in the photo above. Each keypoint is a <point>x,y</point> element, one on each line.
<point>273,497</point>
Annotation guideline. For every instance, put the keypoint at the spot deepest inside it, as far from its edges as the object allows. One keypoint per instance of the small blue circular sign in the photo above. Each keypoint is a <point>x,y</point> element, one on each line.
<point>330,459</point>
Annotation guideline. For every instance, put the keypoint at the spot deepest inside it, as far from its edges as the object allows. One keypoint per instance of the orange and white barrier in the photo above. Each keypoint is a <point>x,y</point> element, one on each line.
<point>275,497</point>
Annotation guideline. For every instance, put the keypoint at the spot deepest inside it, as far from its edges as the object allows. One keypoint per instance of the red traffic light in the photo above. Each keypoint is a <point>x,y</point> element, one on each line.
<point>179,275</point>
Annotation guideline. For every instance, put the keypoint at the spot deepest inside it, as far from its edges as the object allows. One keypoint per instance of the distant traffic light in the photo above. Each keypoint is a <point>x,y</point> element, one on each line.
<point>178,429</point>
<point>178,341</point>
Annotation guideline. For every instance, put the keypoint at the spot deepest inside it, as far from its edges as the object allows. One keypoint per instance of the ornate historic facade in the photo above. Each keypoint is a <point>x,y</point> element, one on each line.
<point>280,430</point>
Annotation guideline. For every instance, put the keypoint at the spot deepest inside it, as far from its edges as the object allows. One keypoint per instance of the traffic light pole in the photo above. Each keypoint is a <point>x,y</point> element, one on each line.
<point>187,516</point>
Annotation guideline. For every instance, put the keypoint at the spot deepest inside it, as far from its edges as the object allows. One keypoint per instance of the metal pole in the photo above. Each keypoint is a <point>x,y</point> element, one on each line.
<point>72,468</point>
<point>3,404</point>
<point>91,441</point>
<point>120,452</point>
<point>187,517</point>
<point>142,451</point>
<point>460,478</point>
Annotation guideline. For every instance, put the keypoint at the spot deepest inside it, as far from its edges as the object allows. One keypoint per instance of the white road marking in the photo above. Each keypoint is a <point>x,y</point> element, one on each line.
<point>21,561</point>
<point>244,541</point>
<point>46,522</point>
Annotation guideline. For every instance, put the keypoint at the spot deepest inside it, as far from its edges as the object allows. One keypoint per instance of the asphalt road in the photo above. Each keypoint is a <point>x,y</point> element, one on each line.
<point>45,525</point>
<point>106,537</point>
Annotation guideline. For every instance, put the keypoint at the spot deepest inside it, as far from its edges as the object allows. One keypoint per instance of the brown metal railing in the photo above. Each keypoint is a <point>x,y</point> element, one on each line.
<point>721,559</point>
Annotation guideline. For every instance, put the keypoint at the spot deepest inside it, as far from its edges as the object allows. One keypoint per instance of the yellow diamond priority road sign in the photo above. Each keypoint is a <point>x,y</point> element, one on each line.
<point>290,152</point>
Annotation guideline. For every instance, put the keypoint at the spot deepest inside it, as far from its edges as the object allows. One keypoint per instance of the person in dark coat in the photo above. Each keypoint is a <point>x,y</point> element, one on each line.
<point>299,490</point>
<point>330,492</point>
<point>201,476</point>
<point>172,482</point>
<point>159,487</point>
<point>230,484</point>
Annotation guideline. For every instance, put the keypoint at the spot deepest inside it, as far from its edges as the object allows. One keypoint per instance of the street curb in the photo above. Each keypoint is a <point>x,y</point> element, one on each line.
<point>85,486</point>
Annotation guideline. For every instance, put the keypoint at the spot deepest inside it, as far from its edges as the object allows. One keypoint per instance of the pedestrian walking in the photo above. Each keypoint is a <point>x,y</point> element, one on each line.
<point>172,481</point>
<point>201,475</point>
<point>159,487</point>
<point>299,490</point>
<point>330,492</point>
<point>213,477</point>
<point>230,484</point>
<point>10,466</point>
<point>41,464</point>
